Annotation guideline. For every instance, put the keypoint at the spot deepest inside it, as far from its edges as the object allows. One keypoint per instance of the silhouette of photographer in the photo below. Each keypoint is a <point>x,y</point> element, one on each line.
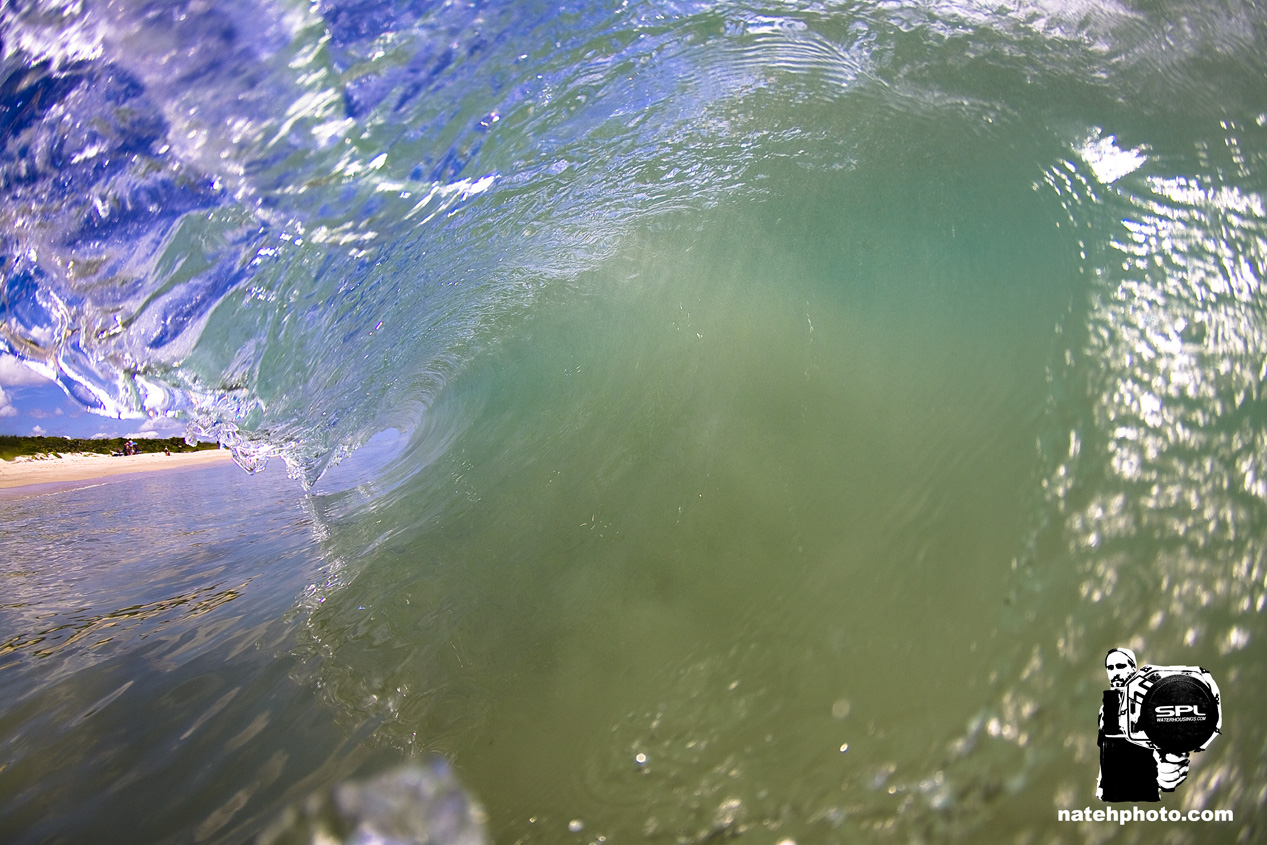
<point>1130,772</point>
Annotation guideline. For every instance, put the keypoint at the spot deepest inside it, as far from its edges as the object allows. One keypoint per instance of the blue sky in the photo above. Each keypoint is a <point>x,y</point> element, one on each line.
<point>31,404</point>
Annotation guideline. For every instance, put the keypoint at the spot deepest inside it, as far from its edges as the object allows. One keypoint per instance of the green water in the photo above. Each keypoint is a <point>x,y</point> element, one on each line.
<point>752,495</point>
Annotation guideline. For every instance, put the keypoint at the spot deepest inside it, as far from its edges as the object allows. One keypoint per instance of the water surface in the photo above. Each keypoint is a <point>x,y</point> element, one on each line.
<point>706,419</point>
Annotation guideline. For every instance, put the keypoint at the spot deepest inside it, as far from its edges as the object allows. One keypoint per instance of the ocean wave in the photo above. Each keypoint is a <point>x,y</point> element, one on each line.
<point>700,366</point>
<point>274,221</point>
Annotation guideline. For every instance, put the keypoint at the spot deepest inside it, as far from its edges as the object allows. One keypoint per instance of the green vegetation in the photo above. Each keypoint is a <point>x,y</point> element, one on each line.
<point>11,446</point>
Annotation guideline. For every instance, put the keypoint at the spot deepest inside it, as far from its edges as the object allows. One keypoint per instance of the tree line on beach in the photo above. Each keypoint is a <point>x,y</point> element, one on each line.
<point>12,446</point>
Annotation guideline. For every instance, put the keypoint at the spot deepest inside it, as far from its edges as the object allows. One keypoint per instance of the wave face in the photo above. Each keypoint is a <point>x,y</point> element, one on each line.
<point>292,224</point>
<point>720,417</point>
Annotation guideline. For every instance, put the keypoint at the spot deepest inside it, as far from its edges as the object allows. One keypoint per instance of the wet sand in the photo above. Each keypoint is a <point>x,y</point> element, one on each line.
<point>24,471</point>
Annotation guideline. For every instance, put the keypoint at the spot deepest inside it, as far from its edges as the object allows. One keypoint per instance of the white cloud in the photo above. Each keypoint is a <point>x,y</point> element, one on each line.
<point>38,431</point>
<point>6,405</point>
<point>14,373</point>
<point>159,427</point>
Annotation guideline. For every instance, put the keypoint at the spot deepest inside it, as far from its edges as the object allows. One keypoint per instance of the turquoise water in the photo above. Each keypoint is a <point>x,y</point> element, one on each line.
<point>706,420</point>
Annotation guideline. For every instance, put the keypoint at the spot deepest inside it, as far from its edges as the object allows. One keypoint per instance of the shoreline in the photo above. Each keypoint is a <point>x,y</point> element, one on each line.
<point>27,472</point>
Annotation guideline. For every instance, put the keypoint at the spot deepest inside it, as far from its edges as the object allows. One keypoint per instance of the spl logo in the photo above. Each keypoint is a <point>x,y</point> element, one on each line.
<point>1173,708</point>
<point>1178,713</point>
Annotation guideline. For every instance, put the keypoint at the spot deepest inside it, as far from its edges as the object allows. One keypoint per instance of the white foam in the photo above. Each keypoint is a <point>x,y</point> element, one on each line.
<point>1107,160</point>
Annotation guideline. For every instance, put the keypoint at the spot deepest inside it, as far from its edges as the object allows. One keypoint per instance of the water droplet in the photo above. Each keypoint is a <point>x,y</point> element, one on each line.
<point>576,825</point>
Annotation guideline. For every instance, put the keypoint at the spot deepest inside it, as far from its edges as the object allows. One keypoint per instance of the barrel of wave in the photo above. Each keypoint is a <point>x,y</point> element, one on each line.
<point>414,804</point>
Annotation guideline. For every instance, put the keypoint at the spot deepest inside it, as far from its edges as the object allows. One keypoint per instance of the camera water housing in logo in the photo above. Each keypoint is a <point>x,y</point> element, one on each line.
<point>1172,709</point>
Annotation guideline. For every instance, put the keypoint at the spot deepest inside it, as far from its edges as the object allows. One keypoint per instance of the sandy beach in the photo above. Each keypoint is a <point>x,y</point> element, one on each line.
<point>23,471</point>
